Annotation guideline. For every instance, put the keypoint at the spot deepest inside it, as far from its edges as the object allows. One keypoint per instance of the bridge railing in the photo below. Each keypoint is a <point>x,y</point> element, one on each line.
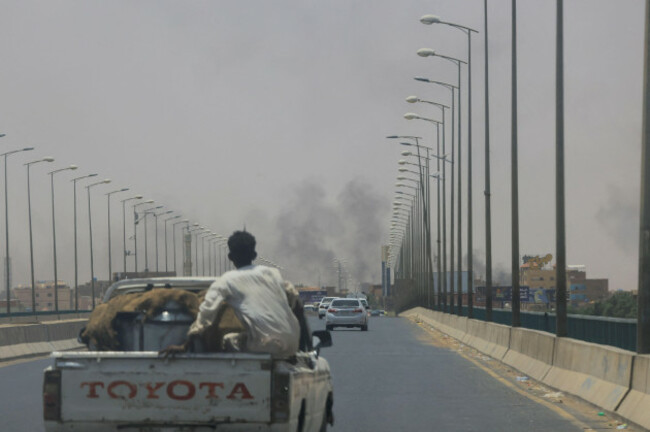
<point>24,317</point>
<point>618,332</point>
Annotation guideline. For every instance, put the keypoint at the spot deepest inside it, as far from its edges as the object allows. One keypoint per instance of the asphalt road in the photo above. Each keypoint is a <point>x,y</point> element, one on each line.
<point>390,379</point>
<point>386,379</point>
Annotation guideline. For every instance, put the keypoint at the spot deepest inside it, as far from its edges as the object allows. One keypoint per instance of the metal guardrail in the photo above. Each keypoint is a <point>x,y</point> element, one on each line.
<point>617,332</point>
<point>30,317</point>
<point>43,314</point>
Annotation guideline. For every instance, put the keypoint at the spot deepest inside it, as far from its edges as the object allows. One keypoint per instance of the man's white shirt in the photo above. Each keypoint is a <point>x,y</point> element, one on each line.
<point>257,295</point>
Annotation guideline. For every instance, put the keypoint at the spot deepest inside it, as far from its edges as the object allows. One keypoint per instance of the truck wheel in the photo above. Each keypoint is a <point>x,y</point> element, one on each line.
<point>364,327</point>
<point>329,327</point>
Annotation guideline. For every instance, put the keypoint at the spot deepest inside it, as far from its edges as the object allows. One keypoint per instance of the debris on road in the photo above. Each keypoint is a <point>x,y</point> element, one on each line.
<point>554,395</point>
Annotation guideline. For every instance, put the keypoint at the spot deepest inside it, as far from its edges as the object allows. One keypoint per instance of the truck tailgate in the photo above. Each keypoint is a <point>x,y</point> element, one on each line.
<point>140,387</point>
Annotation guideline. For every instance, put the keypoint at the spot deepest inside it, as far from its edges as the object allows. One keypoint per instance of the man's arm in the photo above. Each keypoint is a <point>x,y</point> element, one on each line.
<point>293,297</point>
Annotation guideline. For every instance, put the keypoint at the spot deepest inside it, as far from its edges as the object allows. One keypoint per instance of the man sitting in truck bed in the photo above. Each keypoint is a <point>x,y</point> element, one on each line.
<point>259,299</point>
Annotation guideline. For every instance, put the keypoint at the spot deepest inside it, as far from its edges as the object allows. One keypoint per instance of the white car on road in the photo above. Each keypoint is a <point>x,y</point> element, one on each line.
<point>322,306</point>
<point>346,312</point>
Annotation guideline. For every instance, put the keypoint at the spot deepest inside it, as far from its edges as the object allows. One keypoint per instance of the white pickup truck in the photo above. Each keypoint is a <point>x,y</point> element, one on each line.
<point>138,390</point>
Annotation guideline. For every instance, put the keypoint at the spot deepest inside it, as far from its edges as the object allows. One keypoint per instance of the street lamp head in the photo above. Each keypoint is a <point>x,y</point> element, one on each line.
<point>412,99</point>
<point>72,167</point>
<point>411,116</point>
<point>124,189</point>
<point>402,169</point>
<point>185,220</point>
<point>429,19</point>
<point>137,197</point>
<point>48,159</point>
<point>406,144</point>
<point>401,162</point>
<point>169,211</point>
<point>407,153</point>
<point>106,181</point>
<point>148,201</point>
<point>2,135</point>
<point>392,136</point>
<point>426,52</point>
<point>28,148</point>
<point>423,79</point>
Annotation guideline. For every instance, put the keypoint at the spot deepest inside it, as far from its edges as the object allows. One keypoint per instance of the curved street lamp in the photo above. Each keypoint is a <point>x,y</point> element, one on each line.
<point>166,256</point>
<point>76,262</point>
<point>184,221</point>
<point>135,229</point>
<point>110,261</point>
<point>7,259</point>
<point>434,19</point>
<point>56,281</point>
<point>124,253</point>
<point>31,243</point>
<point>90,228</point>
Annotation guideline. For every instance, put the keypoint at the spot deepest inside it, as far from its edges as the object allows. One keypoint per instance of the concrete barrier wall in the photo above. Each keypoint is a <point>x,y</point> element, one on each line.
<point>489,338</point>
<point>26,340</point>
<point>612,379</point>
<point>597,373</point>
<point>636,404</point>
<point>530,352</point>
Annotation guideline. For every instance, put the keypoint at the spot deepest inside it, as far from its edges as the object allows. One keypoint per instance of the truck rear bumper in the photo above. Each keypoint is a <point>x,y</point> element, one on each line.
<point>115,427</point>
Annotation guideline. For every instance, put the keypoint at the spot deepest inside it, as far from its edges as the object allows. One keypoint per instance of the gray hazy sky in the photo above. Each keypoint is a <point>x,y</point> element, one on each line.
<point>273,115</point>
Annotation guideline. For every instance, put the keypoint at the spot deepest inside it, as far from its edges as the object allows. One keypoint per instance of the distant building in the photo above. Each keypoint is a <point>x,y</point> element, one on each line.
<point>44,296</point>
<point>310,295</point>
<point>538,285</point>
<point>583,290</point>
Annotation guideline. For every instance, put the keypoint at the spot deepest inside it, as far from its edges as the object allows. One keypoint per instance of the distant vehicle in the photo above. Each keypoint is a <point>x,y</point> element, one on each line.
<point>364,302</point>
<point>346,312</point>
<point>310,308</point>
<point>375,312</point>
<point>322,306</point>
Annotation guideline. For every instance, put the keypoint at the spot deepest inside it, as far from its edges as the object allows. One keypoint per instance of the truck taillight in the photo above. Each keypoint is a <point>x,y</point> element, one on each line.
<point>52,395</point>
<point>358,310</point>
<point>281,397</point>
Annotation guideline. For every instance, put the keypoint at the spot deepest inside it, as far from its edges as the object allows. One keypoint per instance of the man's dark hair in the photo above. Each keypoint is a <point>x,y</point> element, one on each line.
<point>242,248</point>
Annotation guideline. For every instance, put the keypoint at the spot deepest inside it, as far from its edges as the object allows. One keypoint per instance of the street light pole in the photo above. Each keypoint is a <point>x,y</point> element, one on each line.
<point>7,260</point>
<point>155,216</point>
<point>110,261</point>
<point>135,229</point>
<point>31,242</point>
<point>560,227</point>
<point>453,89</point>
<point>76,268</point>
<point>643,311</point>
<point>488,221</point>
<point>184,221</point>
<point>432,19</point>
<point>166,256</point>
<point>146,213</point>
<point>137,197</point>
<point>516,317</point>
<point>56,275</point>
<point>90,228</point>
